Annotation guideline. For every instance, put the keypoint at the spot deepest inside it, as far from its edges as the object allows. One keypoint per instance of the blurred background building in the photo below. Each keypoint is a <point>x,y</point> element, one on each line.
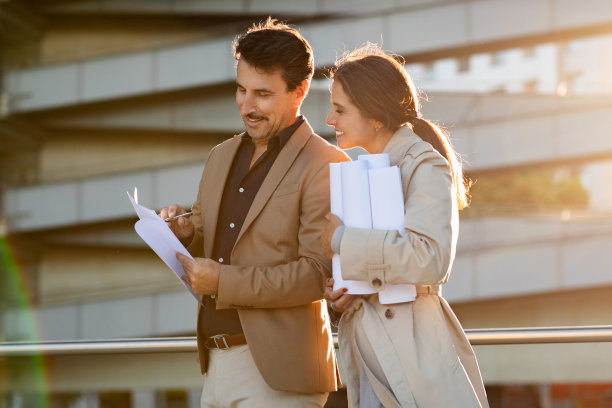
<point>100,96</point>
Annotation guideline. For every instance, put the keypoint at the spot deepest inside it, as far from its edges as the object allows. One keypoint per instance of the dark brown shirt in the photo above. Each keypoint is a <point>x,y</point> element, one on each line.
<point>241,186</point>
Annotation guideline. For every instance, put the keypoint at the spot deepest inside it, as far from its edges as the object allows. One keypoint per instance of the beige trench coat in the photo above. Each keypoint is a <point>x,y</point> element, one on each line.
<point>418,348</point>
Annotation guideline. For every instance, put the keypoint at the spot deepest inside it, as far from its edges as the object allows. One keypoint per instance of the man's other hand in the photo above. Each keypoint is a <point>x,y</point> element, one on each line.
<point>202,274</point>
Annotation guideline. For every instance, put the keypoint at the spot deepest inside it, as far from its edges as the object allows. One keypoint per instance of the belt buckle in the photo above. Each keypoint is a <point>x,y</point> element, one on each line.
<point>220,341</point>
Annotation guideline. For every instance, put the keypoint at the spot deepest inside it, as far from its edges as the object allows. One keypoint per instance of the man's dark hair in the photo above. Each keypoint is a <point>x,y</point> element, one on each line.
<point>271,45</point>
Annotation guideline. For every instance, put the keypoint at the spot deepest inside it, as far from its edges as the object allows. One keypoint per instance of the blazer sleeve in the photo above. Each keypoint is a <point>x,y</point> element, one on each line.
<point>424,254</point>
<point>196,246</point>
<point>295,283</point>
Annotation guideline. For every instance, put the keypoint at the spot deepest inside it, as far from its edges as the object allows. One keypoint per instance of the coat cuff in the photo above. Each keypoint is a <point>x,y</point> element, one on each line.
<point>357,244</point>
<point>337,239</point>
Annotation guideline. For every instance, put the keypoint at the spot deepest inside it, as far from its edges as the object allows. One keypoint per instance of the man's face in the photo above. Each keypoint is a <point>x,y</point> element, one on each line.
<point>265,105</point>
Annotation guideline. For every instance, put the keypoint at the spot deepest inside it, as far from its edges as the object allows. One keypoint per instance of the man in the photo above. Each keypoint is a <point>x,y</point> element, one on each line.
<point>263,331</point>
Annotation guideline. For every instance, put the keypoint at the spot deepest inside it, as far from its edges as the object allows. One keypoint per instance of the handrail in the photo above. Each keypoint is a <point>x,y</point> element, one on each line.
<point>477,337</point>
<point>540,335</point>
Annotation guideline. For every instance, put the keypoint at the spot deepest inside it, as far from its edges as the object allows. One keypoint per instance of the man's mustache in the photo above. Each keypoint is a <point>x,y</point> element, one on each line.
<point>255,117</point>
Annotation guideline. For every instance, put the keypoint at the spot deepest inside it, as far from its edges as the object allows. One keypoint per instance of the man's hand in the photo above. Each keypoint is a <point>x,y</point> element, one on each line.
<point>181,227</point>
<point>202,274</point>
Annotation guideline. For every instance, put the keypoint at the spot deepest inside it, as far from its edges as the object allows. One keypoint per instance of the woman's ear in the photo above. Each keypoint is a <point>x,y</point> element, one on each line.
<point>377,125</point>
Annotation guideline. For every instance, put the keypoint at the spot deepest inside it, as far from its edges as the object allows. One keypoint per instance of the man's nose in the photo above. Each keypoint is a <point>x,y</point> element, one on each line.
<point>247,104</point>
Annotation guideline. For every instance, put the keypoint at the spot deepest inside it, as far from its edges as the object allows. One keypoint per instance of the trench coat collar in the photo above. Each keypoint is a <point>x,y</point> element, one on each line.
<point>397,147</point>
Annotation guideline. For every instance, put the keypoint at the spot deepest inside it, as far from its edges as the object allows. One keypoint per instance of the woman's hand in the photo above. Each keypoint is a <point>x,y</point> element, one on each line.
<point>338,300</point>
<point>328,232</point>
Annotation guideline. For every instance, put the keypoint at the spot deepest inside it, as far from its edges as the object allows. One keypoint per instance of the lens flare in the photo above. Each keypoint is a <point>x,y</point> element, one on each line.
<point>24,377</point>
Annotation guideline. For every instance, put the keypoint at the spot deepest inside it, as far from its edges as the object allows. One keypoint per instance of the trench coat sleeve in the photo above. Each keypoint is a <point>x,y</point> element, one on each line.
<point>294,283</point>
<point>424,254</point>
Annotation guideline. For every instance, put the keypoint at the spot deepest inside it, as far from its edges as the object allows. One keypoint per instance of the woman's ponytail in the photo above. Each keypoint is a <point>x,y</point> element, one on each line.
<point>435,136</point>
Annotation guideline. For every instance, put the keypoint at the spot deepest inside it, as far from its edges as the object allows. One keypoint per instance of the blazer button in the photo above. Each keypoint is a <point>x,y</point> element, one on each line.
<point>376,282</point>
<point>389,313</point>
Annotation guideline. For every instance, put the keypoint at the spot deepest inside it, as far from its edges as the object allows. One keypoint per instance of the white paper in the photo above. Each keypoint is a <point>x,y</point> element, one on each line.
<point>335,190</point>
<point>154,231</point>
<point>367,193</point>
<point>376,161</point>
<point>387,199</point>
<point>356,194</point>
<point>388,214</point>
<point>336,193</point>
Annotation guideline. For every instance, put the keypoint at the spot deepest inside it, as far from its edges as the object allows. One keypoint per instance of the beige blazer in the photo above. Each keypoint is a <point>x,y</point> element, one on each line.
<point>278,268</point>
<point>421,347</point>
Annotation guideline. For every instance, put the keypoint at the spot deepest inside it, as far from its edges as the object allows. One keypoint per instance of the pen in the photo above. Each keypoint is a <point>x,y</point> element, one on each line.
<point>187,214</point>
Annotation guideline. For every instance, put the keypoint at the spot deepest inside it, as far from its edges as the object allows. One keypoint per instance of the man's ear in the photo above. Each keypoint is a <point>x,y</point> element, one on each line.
<point>301,91</point>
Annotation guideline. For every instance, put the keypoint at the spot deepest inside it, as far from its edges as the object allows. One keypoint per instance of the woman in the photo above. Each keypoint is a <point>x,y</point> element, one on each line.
<point>411,354</point>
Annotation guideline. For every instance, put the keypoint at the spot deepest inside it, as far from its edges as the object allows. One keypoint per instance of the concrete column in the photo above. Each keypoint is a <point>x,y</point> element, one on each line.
<point>544,396</point>
<point>86,400</point>
<point>144,399</point>
<point>15,401</point>
<point>193,398</point>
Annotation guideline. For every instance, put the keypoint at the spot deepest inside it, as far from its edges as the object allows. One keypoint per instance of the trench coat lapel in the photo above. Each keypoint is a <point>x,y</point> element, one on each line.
<point>281,165</point>
<point>214,194</point>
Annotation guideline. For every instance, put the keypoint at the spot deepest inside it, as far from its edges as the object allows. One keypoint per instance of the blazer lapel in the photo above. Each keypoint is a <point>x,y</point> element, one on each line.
<point>213,194</point>
<point>281,165</point>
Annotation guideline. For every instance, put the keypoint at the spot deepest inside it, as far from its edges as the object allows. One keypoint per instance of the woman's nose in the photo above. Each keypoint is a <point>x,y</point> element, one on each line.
<point>330,120</point>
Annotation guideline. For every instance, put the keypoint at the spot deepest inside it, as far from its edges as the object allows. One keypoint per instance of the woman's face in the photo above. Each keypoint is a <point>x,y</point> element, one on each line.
<point>352,128</point>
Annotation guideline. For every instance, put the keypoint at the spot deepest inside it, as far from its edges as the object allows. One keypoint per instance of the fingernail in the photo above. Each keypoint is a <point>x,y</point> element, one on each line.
<point>344,289</point>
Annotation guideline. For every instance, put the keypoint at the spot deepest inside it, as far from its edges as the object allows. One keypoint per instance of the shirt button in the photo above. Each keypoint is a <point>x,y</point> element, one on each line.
<point>232,225</point>
<point>389,313</point>
<point>241,190</point>
<point>376,282</point>
<point>220,259</point>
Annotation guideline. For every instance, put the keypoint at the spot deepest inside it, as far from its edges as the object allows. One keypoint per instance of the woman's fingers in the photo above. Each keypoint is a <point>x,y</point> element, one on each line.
<point>343,302</point>
<point>336,294</point>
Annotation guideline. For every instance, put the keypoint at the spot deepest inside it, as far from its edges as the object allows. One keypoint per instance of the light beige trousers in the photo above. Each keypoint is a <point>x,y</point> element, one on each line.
<point>233,380</point>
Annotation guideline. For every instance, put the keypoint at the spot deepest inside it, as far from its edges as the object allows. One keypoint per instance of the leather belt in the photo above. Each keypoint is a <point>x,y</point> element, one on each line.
<point>225,341</point>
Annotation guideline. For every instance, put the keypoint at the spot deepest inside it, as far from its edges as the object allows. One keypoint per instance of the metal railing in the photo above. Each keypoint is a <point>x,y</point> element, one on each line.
<point>477,337</point>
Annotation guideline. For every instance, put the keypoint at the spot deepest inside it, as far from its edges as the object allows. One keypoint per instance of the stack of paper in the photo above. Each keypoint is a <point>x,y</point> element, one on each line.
<point>367,193</point>
<point>154,231</point>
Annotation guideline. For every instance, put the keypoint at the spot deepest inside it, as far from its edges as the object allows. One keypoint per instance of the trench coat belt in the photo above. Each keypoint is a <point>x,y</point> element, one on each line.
<point>428,290</point>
